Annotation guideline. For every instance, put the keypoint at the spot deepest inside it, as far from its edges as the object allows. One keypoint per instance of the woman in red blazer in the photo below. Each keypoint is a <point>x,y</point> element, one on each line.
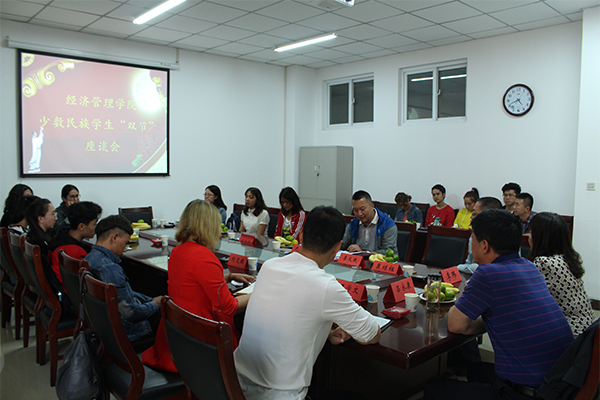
<point>292,216</point>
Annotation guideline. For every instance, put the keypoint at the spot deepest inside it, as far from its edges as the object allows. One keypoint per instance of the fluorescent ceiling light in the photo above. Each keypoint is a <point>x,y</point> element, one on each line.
<point>307,42</point>
<point>156,11</point>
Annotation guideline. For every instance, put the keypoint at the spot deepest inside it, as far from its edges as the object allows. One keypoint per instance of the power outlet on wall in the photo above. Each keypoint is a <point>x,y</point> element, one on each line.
<point>591,187</point>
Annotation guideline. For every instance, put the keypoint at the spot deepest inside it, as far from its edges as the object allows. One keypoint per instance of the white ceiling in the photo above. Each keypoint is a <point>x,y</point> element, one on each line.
<point>250,29</point>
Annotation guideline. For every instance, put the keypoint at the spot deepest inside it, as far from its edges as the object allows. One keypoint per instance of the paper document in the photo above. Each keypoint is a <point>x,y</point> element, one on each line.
<point>383,322</point>
<point>246,290</point>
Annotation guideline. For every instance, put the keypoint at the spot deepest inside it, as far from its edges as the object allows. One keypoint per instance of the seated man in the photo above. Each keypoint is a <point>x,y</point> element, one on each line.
<point>371,230</point>
<point>84,218</point>
<point>484,203</point>
<point>140,314</point>
<point>509,194</point>
<point>507,297</point>
<point>295,307</point>
<point>523,207</point>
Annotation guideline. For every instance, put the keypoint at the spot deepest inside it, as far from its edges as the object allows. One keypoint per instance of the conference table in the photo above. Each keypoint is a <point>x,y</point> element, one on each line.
<point>411,351</point>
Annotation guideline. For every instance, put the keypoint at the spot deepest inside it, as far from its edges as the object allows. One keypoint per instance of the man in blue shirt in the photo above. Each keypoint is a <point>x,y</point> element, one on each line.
<point>507,297</point>
<point>140,314</point>
<point>371,230</point>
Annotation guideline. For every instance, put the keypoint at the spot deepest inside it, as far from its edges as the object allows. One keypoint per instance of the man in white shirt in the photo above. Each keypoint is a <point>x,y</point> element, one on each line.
<point>295,308</point>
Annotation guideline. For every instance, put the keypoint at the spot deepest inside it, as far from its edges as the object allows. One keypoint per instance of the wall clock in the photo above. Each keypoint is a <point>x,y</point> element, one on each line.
<point>518,100</point>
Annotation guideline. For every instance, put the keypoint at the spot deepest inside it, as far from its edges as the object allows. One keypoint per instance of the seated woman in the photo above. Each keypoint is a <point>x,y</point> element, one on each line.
<point>553,254</point>
<point>407,211</point>
<point>21,225</point>
<point>17,191</point>
<point>292,216</point>
<point>440,210</point>
<point>69,195</point>
<point>196,281</point>
<point>255,217</point>
<point>83,217</point>
<point>463,218</point>
<point>41,217</point>
<point>212,194</point>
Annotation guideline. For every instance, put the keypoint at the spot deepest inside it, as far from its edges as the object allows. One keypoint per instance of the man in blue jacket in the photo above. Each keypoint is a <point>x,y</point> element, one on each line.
<point>140,314</point>
<point>371,230</point>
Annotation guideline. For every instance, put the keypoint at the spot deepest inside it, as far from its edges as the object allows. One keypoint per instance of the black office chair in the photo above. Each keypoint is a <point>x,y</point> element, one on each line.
<point>272,225</point>
<point>135,214</point>
<point>446,247</point>
<point>29,295</point>
<point>202,351</point>
<point>388,208</point>
<point>12,286</point>
<point>407,233</point>
<point>124,376</point>
<point>53,322</point>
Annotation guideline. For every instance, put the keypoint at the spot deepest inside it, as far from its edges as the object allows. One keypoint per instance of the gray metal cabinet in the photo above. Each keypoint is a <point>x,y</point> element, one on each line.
<point>326,176</point>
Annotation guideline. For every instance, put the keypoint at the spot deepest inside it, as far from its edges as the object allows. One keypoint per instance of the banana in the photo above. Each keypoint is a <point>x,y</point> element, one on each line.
<point>283,241</point>
<point>448,285</point>
<point>140,225</point>
<point>452,289</point>
<point>380,257</point>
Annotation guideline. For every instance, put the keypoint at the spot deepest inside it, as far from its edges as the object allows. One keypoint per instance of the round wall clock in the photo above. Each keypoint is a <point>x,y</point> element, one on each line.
<point>518,100</point>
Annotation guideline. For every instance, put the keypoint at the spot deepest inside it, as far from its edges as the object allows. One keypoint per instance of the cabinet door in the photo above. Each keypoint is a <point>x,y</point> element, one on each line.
<point>326,182</point>
<point>307,185</point>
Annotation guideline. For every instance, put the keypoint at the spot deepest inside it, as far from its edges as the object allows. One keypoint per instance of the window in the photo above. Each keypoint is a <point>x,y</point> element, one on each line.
<point>434,92</point>
<point>350,101</point>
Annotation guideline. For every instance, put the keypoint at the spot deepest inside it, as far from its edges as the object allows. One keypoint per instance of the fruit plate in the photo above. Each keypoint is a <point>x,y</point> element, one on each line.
<point>422,297</point>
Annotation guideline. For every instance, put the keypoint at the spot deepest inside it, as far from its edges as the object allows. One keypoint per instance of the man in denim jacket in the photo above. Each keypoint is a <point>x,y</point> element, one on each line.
<point>140,314</point>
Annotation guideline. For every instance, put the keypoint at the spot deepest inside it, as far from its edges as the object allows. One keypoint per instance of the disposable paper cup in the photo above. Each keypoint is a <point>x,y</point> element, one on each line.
<point>408,270</point>
<point>372,293</point>
<point>418,224</point>
<point>155,223</point>
<point>165,240</point>
<point>136,231</point>
<point>231,234</point>
<point>252,261</point>
<point>411,300</point>
<point>276,245</point>
<point>163,222</point>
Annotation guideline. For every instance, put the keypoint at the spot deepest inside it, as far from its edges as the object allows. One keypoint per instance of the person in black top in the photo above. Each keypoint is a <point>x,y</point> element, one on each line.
<point>17,191</point>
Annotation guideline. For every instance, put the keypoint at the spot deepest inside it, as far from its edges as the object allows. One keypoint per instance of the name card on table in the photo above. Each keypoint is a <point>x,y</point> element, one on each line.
<point>398,289</point>
<point>385,267</point>
<point>237,261</point>
<point>296,248</point>
<point>451,275</point>
<point>351,260</point>
<point>356,290</point>
<point>248,240</point>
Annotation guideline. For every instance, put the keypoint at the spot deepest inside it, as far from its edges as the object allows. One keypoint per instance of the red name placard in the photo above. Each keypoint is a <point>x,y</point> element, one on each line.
<point>451,275</point>
<point>351,260</point>
<point>247,240</point>
<point>385,267</point>
<point>397,290</point>
<point>237,261</point>
<point>356,290</point>
<point>296,248</point>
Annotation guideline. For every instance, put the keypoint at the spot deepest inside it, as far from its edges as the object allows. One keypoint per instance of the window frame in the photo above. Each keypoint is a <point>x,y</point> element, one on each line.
<point>435,70</point>
<point>350,81</point>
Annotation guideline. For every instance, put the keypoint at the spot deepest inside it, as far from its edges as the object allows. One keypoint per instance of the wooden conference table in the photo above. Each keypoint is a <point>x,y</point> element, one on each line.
<point>411,351</point>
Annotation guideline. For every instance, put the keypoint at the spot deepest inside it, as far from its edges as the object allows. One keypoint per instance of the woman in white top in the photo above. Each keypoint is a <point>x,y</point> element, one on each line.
<point>255,217</point>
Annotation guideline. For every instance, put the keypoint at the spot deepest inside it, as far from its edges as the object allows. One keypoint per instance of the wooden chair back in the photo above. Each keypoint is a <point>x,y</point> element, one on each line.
<point>591,385</point>
<point>101,305</point>
<point>446,247</point>
<point>202,351</point>
<point>6,257</point>
<point>16,243</point>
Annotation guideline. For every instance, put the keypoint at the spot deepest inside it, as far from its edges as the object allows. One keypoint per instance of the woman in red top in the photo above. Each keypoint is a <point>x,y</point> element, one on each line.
<point>292,216</point>
<point>196,281</point>
<point>441,210</point>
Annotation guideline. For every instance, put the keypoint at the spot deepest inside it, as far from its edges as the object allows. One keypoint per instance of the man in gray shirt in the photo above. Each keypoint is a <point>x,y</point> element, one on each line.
<point>371,230</point>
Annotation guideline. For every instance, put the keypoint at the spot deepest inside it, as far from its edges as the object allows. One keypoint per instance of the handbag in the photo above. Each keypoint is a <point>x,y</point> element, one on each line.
<point>80,375</point>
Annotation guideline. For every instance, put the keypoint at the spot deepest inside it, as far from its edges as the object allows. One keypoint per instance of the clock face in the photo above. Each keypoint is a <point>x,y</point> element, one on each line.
<point>518,100</point>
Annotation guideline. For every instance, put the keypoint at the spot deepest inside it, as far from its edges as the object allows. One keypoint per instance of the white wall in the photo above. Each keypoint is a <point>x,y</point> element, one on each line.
<point>587,211</point>
<point>226,126</point>
<point>490,148</point>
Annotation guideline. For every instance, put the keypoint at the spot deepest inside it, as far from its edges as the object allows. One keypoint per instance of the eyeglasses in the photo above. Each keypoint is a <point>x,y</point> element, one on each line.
<point>208,195</point>
<point>74,196</point>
